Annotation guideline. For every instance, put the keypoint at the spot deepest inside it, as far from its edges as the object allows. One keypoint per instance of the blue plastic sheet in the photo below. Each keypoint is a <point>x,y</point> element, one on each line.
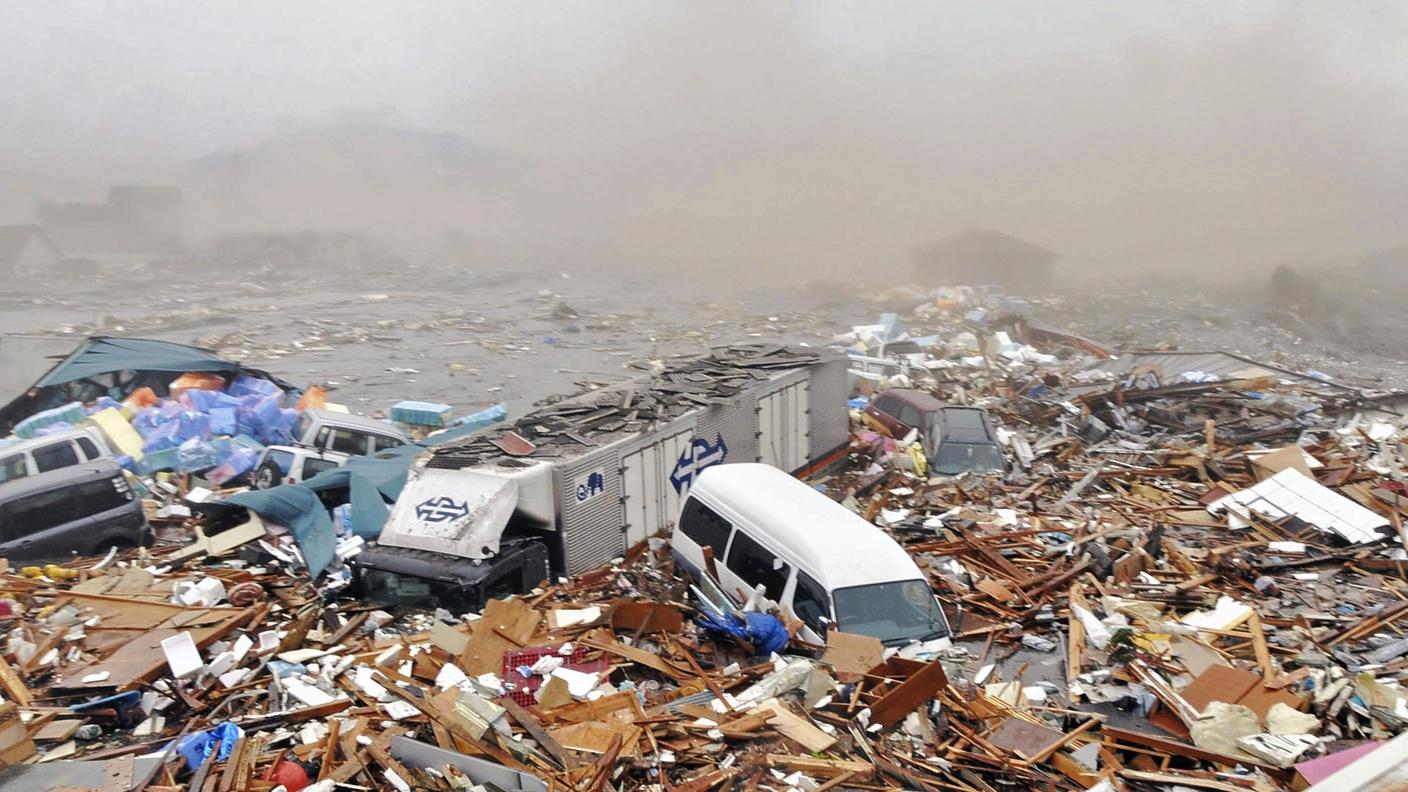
<point>196,748</point>
<point>300,509</point>
<point>764,632</point>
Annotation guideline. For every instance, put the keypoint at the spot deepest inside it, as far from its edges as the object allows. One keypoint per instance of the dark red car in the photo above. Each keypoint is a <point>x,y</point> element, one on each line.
<point>955,439</point>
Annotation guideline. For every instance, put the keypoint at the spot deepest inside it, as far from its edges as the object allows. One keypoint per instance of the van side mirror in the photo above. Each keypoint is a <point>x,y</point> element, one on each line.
<point>777,564</point>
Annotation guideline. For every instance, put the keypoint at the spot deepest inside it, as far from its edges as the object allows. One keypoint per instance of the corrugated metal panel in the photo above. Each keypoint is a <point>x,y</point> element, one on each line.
<point>591,511</point>
<point>783,425</point>
<point>830,422</point>
<point>736,424</point>
<point>651,499</point>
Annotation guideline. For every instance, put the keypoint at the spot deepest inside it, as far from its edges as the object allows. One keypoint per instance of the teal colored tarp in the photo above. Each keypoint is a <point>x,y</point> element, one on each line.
<point>102,355</point>
<point>371,482</point>
<point>298,508</point>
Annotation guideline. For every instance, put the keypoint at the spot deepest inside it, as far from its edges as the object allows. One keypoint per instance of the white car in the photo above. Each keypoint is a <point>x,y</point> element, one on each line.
<point>51,452</point>
<point>282,464</point>
<point>345,433</point>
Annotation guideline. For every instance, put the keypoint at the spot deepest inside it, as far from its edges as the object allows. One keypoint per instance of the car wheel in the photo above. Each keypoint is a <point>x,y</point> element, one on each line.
<point>111,544</point>
<point>267,476</point>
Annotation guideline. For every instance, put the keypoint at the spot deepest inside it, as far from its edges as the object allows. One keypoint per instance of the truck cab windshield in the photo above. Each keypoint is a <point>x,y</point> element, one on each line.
<point>896,613</point>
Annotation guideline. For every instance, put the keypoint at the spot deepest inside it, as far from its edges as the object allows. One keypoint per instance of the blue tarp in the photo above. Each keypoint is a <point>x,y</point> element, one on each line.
<point>297,507</point>
<point>103,366</point>
<point>103,354</point>
<point>371,482</point>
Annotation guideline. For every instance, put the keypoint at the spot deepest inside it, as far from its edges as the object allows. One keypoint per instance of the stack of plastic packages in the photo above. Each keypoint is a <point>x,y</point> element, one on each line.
<point>54,419</point>
<point>205,426</point>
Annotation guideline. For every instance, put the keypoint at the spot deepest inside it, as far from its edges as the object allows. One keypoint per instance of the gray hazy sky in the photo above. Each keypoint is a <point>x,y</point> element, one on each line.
<point>1103,129</point>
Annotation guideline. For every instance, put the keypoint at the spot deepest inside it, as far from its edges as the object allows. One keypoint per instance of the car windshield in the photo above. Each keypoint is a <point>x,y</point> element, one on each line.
<point>955,458</point>
<point>896,613</point>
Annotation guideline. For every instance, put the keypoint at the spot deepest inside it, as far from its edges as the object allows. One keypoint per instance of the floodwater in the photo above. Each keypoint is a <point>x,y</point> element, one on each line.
<point>472,340</point>
<point>467,341</point>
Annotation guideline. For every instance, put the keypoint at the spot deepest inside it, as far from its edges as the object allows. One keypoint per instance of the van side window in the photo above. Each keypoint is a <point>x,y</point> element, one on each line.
<point>381,443</point>
<point>348,441</point>
<point>809,602</point>
<point>100,496</point>
<point>39,512</point>
<point>12,467</point>
<point>53,457</point>
<point>705,526</point>
<point>885,404</point>
<point>90,451</point>
<point>754,563</point>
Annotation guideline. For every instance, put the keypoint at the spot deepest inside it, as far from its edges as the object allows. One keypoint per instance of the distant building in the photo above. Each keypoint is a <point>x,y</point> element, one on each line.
<point>25,250</point>
<point>982,257</point>
<point>135,218</point>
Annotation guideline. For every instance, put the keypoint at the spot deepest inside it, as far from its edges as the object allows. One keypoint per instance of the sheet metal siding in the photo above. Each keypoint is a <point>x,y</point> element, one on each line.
<point>650,500</point>
<point>830,422</point>
<point>592,532</point>
<point>736,423</point>
<point>783,426</point>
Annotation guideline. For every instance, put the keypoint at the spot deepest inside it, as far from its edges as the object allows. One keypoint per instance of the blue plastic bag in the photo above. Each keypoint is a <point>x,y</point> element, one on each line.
<point>764,632</point>
<point>196,748</point>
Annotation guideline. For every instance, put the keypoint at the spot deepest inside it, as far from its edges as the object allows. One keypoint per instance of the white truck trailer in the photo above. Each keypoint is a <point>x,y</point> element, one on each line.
<point>573,484</point>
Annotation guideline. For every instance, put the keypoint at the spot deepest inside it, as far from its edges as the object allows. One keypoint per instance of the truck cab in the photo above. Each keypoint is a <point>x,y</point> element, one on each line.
<point>460,538</point>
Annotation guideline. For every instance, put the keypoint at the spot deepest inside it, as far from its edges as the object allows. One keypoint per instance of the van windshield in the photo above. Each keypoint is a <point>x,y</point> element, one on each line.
<point>896,613</point>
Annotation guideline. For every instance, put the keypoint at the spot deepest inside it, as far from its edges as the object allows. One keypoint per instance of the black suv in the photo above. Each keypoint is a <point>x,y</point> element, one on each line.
<point>966,443</point>
<point>84,509</point>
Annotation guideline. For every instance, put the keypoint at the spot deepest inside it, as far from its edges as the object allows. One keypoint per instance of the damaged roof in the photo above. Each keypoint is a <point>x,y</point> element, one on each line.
<point>1291,493</point>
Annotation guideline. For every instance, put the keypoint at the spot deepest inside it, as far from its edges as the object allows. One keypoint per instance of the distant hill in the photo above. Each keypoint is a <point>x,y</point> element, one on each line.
<point>377,155</point>
<point>353,177</point>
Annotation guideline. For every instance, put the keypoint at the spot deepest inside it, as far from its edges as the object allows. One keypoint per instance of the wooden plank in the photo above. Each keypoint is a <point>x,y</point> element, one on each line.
<point>796,728</point>
<point>814,766</point>
<point>1263,654</point>
<point>15,687</point>
<point>535,729</point>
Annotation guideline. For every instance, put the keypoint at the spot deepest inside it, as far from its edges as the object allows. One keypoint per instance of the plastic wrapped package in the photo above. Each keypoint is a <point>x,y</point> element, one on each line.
<point>161,437</point>
<point>224,421</point>
<point>194,455</point>
<point>239,462</point>
<point>164,459</point>
<point>72,413</point>
<point>417,413</point>
<point>245,385</point>
<point>193,425</point>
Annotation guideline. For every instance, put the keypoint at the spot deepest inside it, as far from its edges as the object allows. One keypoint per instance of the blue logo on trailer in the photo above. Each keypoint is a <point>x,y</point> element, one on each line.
<point>697,456</point>
<point>594,485</point>
<point>442,508</point>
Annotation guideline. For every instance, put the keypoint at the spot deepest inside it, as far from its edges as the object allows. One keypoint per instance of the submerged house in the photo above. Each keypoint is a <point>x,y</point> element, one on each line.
<point>983,257</point>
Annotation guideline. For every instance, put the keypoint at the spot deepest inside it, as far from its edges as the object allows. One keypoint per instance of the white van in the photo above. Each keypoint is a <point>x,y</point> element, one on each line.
<point>51,452</point>
<point>777,540</point>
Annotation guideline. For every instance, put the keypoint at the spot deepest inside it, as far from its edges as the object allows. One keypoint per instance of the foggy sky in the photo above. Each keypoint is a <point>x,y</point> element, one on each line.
<point>834,133</point>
